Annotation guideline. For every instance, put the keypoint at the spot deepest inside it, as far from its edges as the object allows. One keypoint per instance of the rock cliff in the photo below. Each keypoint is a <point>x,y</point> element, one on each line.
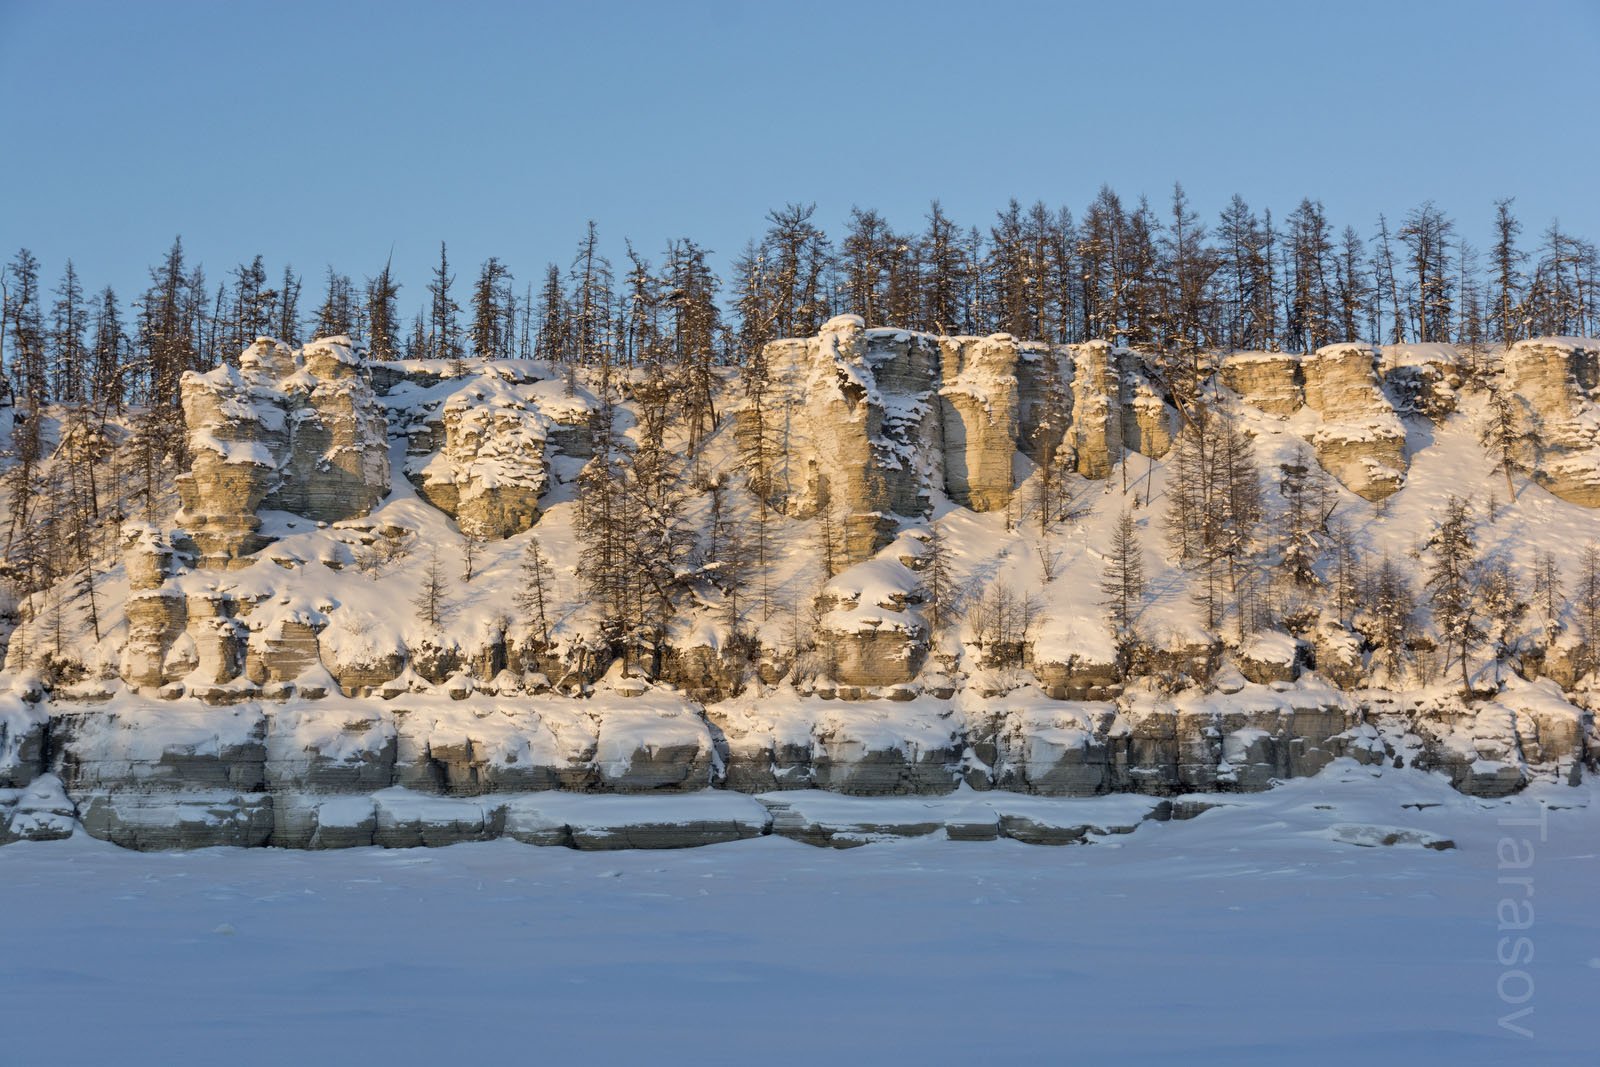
<point>297,431</point>
<point>872,422</point>
<point>260,673</point>
<point>489,469</point>
<point>1552,382</point>
<point>1361,440</point>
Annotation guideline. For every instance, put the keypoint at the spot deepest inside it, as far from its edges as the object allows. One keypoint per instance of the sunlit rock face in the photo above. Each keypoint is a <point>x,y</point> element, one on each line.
<point>1148,744</point>
<point>1423,379</point>
<point>287,430</point>
<point>863,425</point>
<point>979,403</point>
<point>847,416</point>
<point>1552,383</point>
<point>490,468</point>
<point>1269,381</point>
<point>1361,440</point>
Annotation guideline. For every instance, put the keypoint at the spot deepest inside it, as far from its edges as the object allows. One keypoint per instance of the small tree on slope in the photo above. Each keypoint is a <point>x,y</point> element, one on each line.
<point>432,599</point>
<point>1122,580</point>
<point>1453,580</point>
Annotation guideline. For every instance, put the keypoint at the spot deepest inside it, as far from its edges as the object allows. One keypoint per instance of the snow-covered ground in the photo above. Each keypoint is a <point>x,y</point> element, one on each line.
<point>1276,928</point>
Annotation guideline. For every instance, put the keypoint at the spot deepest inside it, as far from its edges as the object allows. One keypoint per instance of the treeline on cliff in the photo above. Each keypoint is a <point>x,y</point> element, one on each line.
<point>1164,281</point>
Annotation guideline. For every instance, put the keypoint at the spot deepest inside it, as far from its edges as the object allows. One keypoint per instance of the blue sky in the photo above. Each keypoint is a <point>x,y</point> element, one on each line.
<point>322,134</point>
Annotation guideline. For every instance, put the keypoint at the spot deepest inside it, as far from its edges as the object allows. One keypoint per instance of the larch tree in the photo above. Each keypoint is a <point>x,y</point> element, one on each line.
<point>336,316</point>
<point>1305,495</point>
<point>534,590</point>
<point>286,318</point>
<point>68,323</point>
<point>1549,592</point>
<point>1506,314</point>
<point>1390,610</point>
<point>687,291</point>
<point>590,309</point>
<point>383,325</point>
<point>941,597</point>
<point>444,340</point>
<point>490,311</point>
<point>1453,580</point>
<point>433,595</point>
<point>1427,233</point>
<point>553,341</point>
<point>1503,435</point>
<point>1122,577</point>
<point>107,351</point>
<point>1214,508</point>
<point>1586,605</point>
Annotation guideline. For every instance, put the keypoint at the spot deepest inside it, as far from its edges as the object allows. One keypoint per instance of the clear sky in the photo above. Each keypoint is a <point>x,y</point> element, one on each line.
<point>325,133</point>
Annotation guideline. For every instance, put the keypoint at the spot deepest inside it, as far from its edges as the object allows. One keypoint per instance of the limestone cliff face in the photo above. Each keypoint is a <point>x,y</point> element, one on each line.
<point>843,426</point>
<point>1423,379</point>
<point>291,431</point>
<point>869,422</point>
<point>271,705</point>
<point>979,406</point>
<point>1269,381</point>
<point>157,613</point>
<point>1361,440</point>
<point>1553,382</point>
<point>871,641</point>
<point>490,468</point>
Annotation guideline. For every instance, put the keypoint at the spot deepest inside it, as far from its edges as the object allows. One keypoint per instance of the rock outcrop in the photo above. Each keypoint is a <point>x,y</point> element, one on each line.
<point>979,406</point>
<point>1361,440</point>
<point>244,691</point>
<point>855,415</point>
<point>423,769</point>
<point>840,442</point>
<point>291,431</point>
<point>1423,378</point>
<point>1553,381</point>
<point>1270,381</point>
<point>489,469</point>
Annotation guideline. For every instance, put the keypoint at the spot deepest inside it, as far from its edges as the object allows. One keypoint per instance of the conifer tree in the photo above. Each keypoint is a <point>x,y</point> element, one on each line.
<point>433,598</point>
<point>534,589</point>
<point>383,326</point>
<point>490,311</point>
<point>552,341</point>
<point>1453,581</point>
<point>1122,579</point>
<point>1548,591</point>
<point>1391,608</point>
<point>688,293</point>
<point>943,270</point>
<point>107,388</point>
<point>590,323</point>
<point>1306,495</point>
<point>1502,434</point>
<point>1506,314</point>
<point>444,341</point>
<point>68,322</point>
<point>29,363</point>
<point>254,303</point>
<point>287,317</point>
<point>336,316</point>
<point>941,597</point>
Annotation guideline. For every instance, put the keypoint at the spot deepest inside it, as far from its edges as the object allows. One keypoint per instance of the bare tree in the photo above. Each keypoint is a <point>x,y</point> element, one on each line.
<point>1454,581</point>
<point>432,600</point>
<point>533,593</point>
<point>940,596</point>
<point>1122,579</point>
<point>1502,435</point>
